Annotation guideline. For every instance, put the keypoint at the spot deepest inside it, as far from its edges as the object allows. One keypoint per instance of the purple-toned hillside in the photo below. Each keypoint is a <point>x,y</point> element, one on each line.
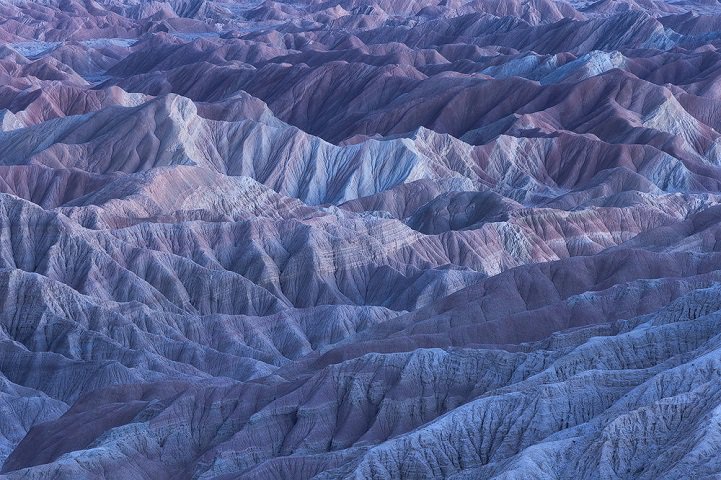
<point>378,239</point>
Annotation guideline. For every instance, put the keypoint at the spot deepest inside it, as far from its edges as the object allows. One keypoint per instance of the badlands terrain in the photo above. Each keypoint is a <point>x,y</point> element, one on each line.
<point>390,239</point>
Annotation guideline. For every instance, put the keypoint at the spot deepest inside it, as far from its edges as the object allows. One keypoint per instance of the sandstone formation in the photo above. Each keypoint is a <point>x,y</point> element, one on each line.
<point>399,239</point>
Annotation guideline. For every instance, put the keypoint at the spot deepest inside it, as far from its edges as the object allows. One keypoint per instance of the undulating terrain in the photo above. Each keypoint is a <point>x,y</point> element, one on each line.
<point>345,239</point>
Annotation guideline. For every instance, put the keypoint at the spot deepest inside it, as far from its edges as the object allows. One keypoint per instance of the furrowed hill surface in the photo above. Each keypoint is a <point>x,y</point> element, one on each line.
<point>401,239</point>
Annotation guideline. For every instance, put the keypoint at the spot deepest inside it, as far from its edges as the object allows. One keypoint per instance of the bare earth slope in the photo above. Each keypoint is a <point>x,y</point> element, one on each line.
<point>400,239</point>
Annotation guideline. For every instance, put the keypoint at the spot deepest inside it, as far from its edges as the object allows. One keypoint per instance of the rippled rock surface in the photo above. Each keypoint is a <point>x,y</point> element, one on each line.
<point>401,239</point>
